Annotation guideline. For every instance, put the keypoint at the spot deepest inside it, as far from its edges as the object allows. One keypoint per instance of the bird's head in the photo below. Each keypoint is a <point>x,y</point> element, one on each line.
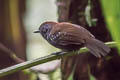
<point>45,29</point>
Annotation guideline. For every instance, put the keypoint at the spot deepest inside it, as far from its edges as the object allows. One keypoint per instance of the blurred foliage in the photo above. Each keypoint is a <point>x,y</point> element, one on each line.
<point>91,77</point>
<point>111,10</point>
<point>12,35</point>
<point>112,17</point>
<point>71,77</point>
<point>32,75</point>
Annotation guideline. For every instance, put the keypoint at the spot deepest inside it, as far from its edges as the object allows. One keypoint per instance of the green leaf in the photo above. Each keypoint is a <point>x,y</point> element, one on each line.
<point>72,73</point>
<point>91,77</point>
<point>111,10</point>
<point>71,76</point>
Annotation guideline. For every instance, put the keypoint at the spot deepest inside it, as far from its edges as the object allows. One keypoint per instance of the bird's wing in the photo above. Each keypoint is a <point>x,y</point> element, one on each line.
<point>66,33</point>
<point>67,37</point>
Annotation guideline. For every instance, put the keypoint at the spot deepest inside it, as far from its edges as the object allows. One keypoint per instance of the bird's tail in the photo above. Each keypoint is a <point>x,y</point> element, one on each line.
<point>97,48</point>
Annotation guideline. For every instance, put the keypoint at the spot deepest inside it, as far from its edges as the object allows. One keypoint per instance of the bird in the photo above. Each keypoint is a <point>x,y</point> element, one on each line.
<point>71,37</point>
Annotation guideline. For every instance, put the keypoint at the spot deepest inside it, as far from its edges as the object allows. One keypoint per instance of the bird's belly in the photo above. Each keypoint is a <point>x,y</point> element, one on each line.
<point>70,47</point>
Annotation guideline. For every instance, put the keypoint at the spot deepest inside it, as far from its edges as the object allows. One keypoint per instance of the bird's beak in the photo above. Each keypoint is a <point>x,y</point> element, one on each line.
<point>36,31</point>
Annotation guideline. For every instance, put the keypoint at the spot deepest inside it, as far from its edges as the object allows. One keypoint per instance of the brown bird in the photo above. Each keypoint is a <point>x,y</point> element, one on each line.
<point>71,37</point>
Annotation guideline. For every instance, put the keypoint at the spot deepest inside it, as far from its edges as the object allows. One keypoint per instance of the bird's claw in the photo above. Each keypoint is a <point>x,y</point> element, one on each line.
<point>58,53</point>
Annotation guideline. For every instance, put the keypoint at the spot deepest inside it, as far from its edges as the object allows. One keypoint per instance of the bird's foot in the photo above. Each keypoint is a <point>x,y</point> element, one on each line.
<point>58,53</point>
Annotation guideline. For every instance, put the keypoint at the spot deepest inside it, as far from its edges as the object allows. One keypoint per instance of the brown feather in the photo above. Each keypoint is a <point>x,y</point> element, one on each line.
<point>69,37</point>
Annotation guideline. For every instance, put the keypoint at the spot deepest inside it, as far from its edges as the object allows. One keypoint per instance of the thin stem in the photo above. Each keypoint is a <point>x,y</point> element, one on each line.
<point>41,60</point>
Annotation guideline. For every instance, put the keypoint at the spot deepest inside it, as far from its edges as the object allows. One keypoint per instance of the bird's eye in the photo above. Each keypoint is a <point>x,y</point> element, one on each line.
<point>45,29</point>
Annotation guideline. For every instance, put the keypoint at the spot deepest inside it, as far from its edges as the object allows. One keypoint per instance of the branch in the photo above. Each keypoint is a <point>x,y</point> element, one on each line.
<point>11,54</point>
<point>41,60</point>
